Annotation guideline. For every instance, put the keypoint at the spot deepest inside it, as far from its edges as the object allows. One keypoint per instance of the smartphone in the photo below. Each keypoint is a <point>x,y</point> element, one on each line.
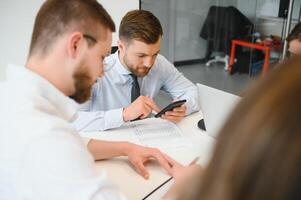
<point>171,107</point>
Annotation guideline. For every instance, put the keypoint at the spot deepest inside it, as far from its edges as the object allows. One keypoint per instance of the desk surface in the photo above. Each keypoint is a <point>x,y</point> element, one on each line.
<point>122,174</point>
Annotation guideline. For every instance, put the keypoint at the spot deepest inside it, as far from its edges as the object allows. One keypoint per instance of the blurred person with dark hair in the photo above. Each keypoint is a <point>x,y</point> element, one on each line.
<point>258,151</point>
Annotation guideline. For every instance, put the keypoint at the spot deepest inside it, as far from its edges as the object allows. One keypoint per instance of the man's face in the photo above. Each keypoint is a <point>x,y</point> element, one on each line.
<point>138,56</point>
<point>295,47</point>
<point>91,67</point>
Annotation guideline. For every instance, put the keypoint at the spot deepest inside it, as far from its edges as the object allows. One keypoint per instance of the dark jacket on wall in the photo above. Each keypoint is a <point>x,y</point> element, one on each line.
<point>221,26</point>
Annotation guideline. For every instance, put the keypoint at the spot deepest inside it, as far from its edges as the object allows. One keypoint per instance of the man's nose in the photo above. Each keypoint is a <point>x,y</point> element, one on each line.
<point>148,62</point>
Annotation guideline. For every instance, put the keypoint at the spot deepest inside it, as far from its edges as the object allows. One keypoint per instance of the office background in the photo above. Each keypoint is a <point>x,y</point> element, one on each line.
<point>182,22</point>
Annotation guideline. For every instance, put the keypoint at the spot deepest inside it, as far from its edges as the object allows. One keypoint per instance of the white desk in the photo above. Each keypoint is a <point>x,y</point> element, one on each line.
<point>130,182</point>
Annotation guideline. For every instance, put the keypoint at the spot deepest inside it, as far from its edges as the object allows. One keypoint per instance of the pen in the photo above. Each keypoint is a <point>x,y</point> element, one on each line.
<point>194,160</point>
<point>169,179</point>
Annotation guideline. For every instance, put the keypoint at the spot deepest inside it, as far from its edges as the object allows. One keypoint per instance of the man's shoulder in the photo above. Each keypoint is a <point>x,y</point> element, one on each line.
<point>110,62</point>
<point>162,65</point>
<point>160,58</point>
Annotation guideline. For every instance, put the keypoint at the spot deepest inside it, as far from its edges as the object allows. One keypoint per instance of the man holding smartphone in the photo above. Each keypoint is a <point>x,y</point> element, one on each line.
<point>134,75</point>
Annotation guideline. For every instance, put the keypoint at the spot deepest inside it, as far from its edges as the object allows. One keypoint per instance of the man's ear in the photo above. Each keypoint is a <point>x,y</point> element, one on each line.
<point>75,41</point>
<point>121,45</point>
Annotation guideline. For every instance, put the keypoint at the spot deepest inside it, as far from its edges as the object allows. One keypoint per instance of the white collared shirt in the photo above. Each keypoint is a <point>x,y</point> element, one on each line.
<point>41,154</point>
<point>112,93</point>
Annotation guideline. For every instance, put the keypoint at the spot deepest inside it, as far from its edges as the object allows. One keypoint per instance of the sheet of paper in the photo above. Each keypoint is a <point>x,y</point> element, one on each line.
<point>160,134</point>
<point>152,132</point>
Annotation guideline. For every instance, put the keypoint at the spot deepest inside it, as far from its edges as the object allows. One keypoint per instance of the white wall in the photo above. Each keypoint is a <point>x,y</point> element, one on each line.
<point>117,9</point>
<point>16,24</point>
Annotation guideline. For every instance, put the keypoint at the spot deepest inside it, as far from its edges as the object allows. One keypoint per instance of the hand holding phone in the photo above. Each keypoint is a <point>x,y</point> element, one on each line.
<point>170,107</point>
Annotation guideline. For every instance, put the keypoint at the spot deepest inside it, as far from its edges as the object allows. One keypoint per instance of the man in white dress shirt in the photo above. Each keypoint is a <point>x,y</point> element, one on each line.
<point>41,154</point>
<point>136,61</point>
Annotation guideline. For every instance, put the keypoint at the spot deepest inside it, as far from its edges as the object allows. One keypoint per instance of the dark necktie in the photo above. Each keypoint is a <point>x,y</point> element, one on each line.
<point>135,92</point>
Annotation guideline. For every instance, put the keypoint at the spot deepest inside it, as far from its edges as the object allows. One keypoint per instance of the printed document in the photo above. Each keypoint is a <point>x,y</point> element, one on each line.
<point>159,134</point>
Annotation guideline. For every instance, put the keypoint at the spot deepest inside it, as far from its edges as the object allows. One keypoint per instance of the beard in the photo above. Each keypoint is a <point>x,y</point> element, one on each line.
<point>83,86</point>
<point>139,71</point>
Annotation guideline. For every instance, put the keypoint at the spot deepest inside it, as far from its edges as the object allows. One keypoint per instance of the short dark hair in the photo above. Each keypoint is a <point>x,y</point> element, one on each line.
<point>56,17</point>
<point>140,25</point>
<point>295,33</point>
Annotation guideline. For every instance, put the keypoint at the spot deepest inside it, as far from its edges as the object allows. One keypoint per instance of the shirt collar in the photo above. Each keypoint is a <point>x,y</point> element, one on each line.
<point>35,83</point>
<point>119,67</point>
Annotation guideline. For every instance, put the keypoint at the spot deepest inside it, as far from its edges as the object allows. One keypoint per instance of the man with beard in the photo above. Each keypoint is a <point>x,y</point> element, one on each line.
<point>134,75</point>
<point>42,156</point>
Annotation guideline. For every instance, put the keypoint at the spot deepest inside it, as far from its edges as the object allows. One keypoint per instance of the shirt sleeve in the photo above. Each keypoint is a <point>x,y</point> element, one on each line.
<point>178,86</point>
<point>98,120</point>
<point>60,167</point>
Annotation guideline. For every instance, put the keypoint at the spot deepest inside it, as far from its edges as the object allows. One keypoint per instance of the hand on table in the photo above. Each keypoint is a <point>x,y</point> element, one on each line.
<point>139,155</point>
